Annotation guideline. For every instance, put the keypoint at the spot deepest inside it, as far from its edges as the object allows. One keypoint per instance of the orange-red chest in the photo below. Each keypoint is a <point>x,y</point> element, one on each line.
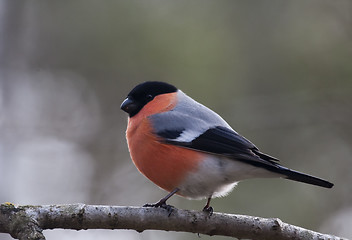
<point>165,165</point>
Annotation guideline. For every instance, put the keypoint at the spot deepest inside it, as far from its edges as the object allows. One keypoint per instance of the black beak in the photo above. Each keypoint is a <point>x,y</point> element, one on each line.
<point>129,106</point>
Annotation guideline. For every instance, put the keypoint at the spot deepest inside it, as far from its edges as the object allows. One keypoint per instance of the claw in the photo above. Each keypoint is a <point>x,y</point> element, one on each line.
<point>162,203</point>
<point>208,210</point>
<point>149,205</point>
<point>167,207</point>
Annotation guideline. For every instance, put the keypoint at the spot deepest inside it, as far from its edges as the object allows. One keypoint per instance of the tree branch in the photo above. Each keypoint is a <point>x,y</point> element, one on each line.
<point>28,222</point>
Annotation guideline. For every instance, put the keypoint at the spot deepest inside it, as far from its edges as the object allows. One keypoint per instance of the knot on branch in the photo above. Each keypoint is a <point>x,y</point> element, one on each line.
<point>20,225</point>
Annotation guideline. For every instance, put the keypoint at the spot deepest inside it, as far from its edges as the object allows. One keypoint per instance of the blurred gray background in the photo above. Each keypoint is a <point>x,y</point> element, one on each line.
<point>280,72</point>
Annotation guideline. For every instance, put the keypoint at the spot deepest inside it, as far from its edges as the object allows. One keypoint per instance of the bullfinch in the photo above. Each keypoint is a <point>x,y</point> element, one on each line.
<point>187,149</point>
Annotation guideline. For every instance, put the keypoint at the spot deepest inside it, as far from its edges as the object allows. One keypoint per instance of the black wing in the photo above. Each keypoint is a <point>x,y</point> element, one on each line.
<point>223,141</point>
<point>226,142</point>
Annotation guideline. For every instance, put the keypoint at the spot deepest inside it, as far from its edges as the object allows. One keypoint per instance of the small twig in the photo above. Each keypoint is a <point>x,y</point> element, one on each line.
<point>27,222</point>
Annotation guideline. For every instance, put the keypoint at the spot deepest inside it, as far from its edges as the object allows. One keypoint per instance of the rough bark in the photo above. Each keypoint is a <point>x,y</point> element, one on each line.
<point>28,222</point>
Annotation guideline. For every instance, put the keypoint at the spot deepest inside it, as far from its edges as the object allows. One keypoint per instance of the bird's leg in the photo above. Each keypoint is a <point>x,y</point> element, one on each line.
<point>207,208</point>
<point>162,202</point>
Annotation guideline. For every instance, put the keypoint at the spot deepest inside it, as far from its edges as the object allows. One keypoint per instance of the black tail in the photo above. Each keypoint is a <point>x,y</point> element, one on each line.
<point>301,177</point>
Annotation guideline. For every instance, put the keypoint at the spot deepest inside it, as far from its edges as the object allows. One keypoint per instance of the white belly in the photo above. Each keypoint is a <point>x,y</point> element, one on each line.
<point>217,176</point>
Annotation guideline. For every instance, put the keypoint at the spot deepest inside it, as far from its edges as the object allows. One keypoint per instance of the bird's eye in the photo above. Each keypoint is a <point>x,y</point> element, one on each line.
<point>149,97</point>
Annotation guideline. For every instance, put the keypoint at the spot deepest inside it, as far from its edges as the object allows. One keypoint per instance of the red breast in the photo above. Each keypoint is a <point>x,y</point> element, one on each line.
<point>165,165</point>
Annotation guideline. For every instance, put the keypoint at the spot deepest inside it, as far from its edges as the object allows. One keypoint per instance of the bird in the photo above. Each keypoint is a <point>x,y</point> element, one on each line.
<point>188,149</point>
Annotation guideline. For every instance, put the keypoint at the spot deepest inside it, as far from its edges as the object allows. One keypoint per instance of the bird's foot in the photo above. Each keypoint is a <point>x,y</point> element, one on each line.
<point>209,210</point>
<point>161,204</point>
